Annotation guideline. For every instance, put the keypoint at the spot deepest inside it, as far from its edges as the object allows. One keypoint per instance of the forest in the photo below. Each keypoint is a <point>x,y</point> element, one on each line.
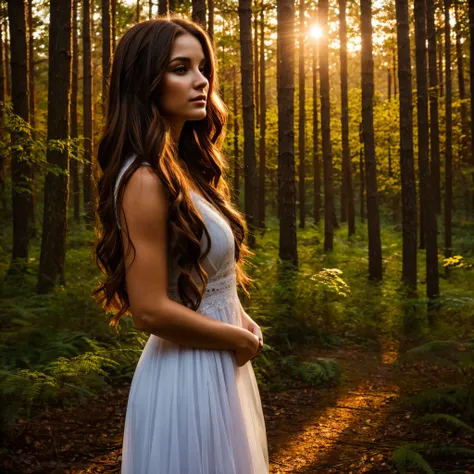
<point>350,151</point>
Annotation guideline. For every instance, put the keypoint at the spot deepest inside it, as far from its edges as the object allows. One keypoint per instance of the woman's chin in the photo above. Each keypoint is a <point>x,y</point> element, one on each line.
<point>198,115</point>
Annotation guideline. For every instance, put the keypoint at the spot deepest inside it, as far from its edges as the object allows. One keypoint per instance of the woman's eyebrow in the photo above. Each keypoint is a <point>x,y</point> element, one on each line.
<point>184,59</point>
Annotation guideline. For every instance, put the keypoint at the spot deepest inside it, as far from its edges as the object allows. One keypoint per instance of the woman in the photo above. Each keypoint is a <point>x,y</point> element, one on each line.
<point>172,249</point>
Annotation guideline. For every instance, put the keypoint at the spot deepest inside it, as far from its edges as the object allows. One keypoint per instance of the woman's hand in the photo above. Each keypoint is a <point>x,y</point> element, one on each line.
<point>248,350</point>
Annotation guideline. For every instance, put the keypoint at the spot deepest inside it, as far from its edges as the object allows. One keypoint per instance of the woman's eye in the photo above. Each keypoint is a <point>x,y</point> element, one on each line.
<point>180,69</point>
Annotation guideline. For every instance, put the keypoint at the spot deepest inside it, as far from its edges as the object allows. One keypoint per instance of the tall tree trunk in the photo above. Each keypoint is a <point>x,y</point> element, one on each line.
<point>162,7</point>
<point>210,28</point>
<point>256,62</point>
<point>20,169</point>
<point>87,114</point>
<point>138,11</point>
<point>74,131</point>
<point>113,13</point>
<point>326,127</point>
<point>316,161</point>
<point>429,229</point>
<point>440,62</point>
<point>464,159</point>
<point>53,244</point>
<point>471,85</point>
<point>448,173</point>
<point>236,141</point>
<point>407,161</point>
<point>347,195</point>
<point>106,50</point>
<point>433,99</point>
<point>362,184</point>
<point>394,68</point>
<point>263,118</point>
<point>286,111</point>
<point>302,117</point>
<point>367,71</point>
<point>8,70</point>
<point>199,12</point>
<point>150,9</point>
<point>250,165</point>
<point>3,98</point>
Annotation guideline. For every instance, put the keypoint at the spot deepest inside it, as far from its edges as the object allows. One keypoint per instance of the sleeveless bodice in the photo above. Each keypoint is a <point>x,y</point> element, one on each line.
<point>219,264</point>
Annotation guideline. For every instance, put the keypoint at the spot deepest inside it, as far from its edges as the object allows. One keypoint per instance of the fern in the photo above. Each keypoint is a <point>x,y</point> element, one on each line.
<point>406,460</point>
<point>443,418</point>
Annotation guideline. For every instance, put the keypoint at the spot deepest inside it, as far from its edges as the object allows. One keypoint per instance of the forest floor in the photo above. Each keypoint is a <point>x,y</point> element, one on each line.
<point>349,428</point>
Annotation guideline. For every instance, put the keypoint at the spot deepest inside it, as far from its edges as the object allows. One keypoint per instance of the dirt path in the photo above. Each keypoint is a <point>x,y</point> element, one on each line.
<point>346,429</point>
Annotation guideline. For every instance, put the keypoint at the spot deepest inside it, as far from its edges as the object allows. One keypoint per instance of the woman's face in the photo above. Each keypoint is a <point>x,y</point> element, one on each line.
<point>183,81</point>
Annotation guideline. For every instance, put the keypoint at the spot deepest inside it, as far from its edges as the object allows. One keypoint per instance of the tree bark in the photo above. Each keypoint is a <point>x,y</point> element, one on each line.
<point>326,128</point>
<point>407,165</point>
<point>74,131</point>
<point>20,169</point>
<point>8,70</point>
<point>302,118</point>
<point>286,109</point>
<point>429,230</point>
<point>263,118</point>
<point>53,244</point>
<point>256,68</point>
<point>113,14</point>
<point>250,165</point>
<point>448,173</point>
<point>471,85</point>
<point>316,161</point>
<point>3,98</point>
<point>210,28</point>
<point>236,142</point>
<point>433,99</point>
<point>199,12</point>
<point>347,194</point>
<point>464,160</point>
<point>87,114</point>
<point>106,50</point>
<point>367,72</point>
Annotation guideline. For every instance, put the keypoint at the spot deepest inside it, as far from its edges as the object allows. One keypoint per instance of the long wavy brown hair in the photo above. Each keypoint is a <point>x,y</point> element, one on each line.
<point>135,126</point>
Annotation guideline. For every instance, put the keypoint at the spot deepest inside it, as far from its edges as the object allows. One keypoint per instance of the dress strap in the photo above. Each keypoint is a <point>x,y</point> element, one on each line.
<point>126,165</point>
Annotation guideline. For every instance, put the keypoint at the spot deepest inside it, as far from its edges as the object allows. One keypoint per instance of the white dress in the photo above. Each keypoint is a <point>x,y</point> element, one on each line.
<point>194,411</point>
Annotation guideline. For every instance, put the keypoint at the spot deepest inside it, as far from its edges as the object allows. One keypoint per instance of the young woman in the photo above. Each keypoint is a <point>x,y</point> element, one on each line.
<point>172,250</point>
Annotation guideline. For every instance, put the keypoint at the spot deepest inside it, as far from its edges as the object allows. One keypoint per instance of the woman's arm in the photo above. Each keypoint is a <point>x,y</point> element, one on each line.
<point>145,211</point>
<point>249,324</point>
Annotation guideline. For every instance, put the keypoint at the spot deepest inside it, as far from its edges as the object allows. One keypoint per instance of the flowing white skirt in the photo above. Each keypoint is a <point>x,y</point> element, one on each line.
<point>194,411</point>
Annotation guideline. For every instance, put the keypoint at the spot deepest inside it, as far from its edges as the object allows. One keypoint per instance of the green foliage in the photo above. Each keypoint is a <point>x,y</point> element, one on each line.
<point>319,371</point>
<point>407,460</point>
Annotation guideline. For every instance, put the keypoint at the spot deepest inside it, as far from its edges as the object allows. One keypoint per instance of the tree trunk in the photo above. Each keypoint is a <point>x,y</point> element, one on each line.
<point>53,244</point>
<point>236,143</point>
<point>210,28</point>
<point>250,165</point>
<point>440,62</point>
<point>20,169</point>
<point>471,85</point>
<point>367,72</point>
<point>87,114</point>
<point>150,9</point>
<point>407,165</point>
<point>347,195</point>
<point>362,185</point>
<point>326,128</point>
<point>429,229</point>
<point>199,12</point>
<point>162,7</point>
<point>106,50</point>
<point>113,13</point>
<point>433,99</point>
<point>74,131</point>
<point>263,118</point>
<point>316,162</point>
<point>302,117</point>
<point>137,20</point>
<point>8,70</point>
<point>255,61</point>
<point>448,173</point>
<point>3,98</point>
<point>464,159</point>
<point>286,110</point>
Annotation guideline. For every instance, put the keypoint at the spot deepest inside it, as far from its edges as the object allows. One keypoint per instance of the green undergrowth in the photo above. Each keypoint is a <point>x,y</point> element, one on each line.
<point>58,349</point>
